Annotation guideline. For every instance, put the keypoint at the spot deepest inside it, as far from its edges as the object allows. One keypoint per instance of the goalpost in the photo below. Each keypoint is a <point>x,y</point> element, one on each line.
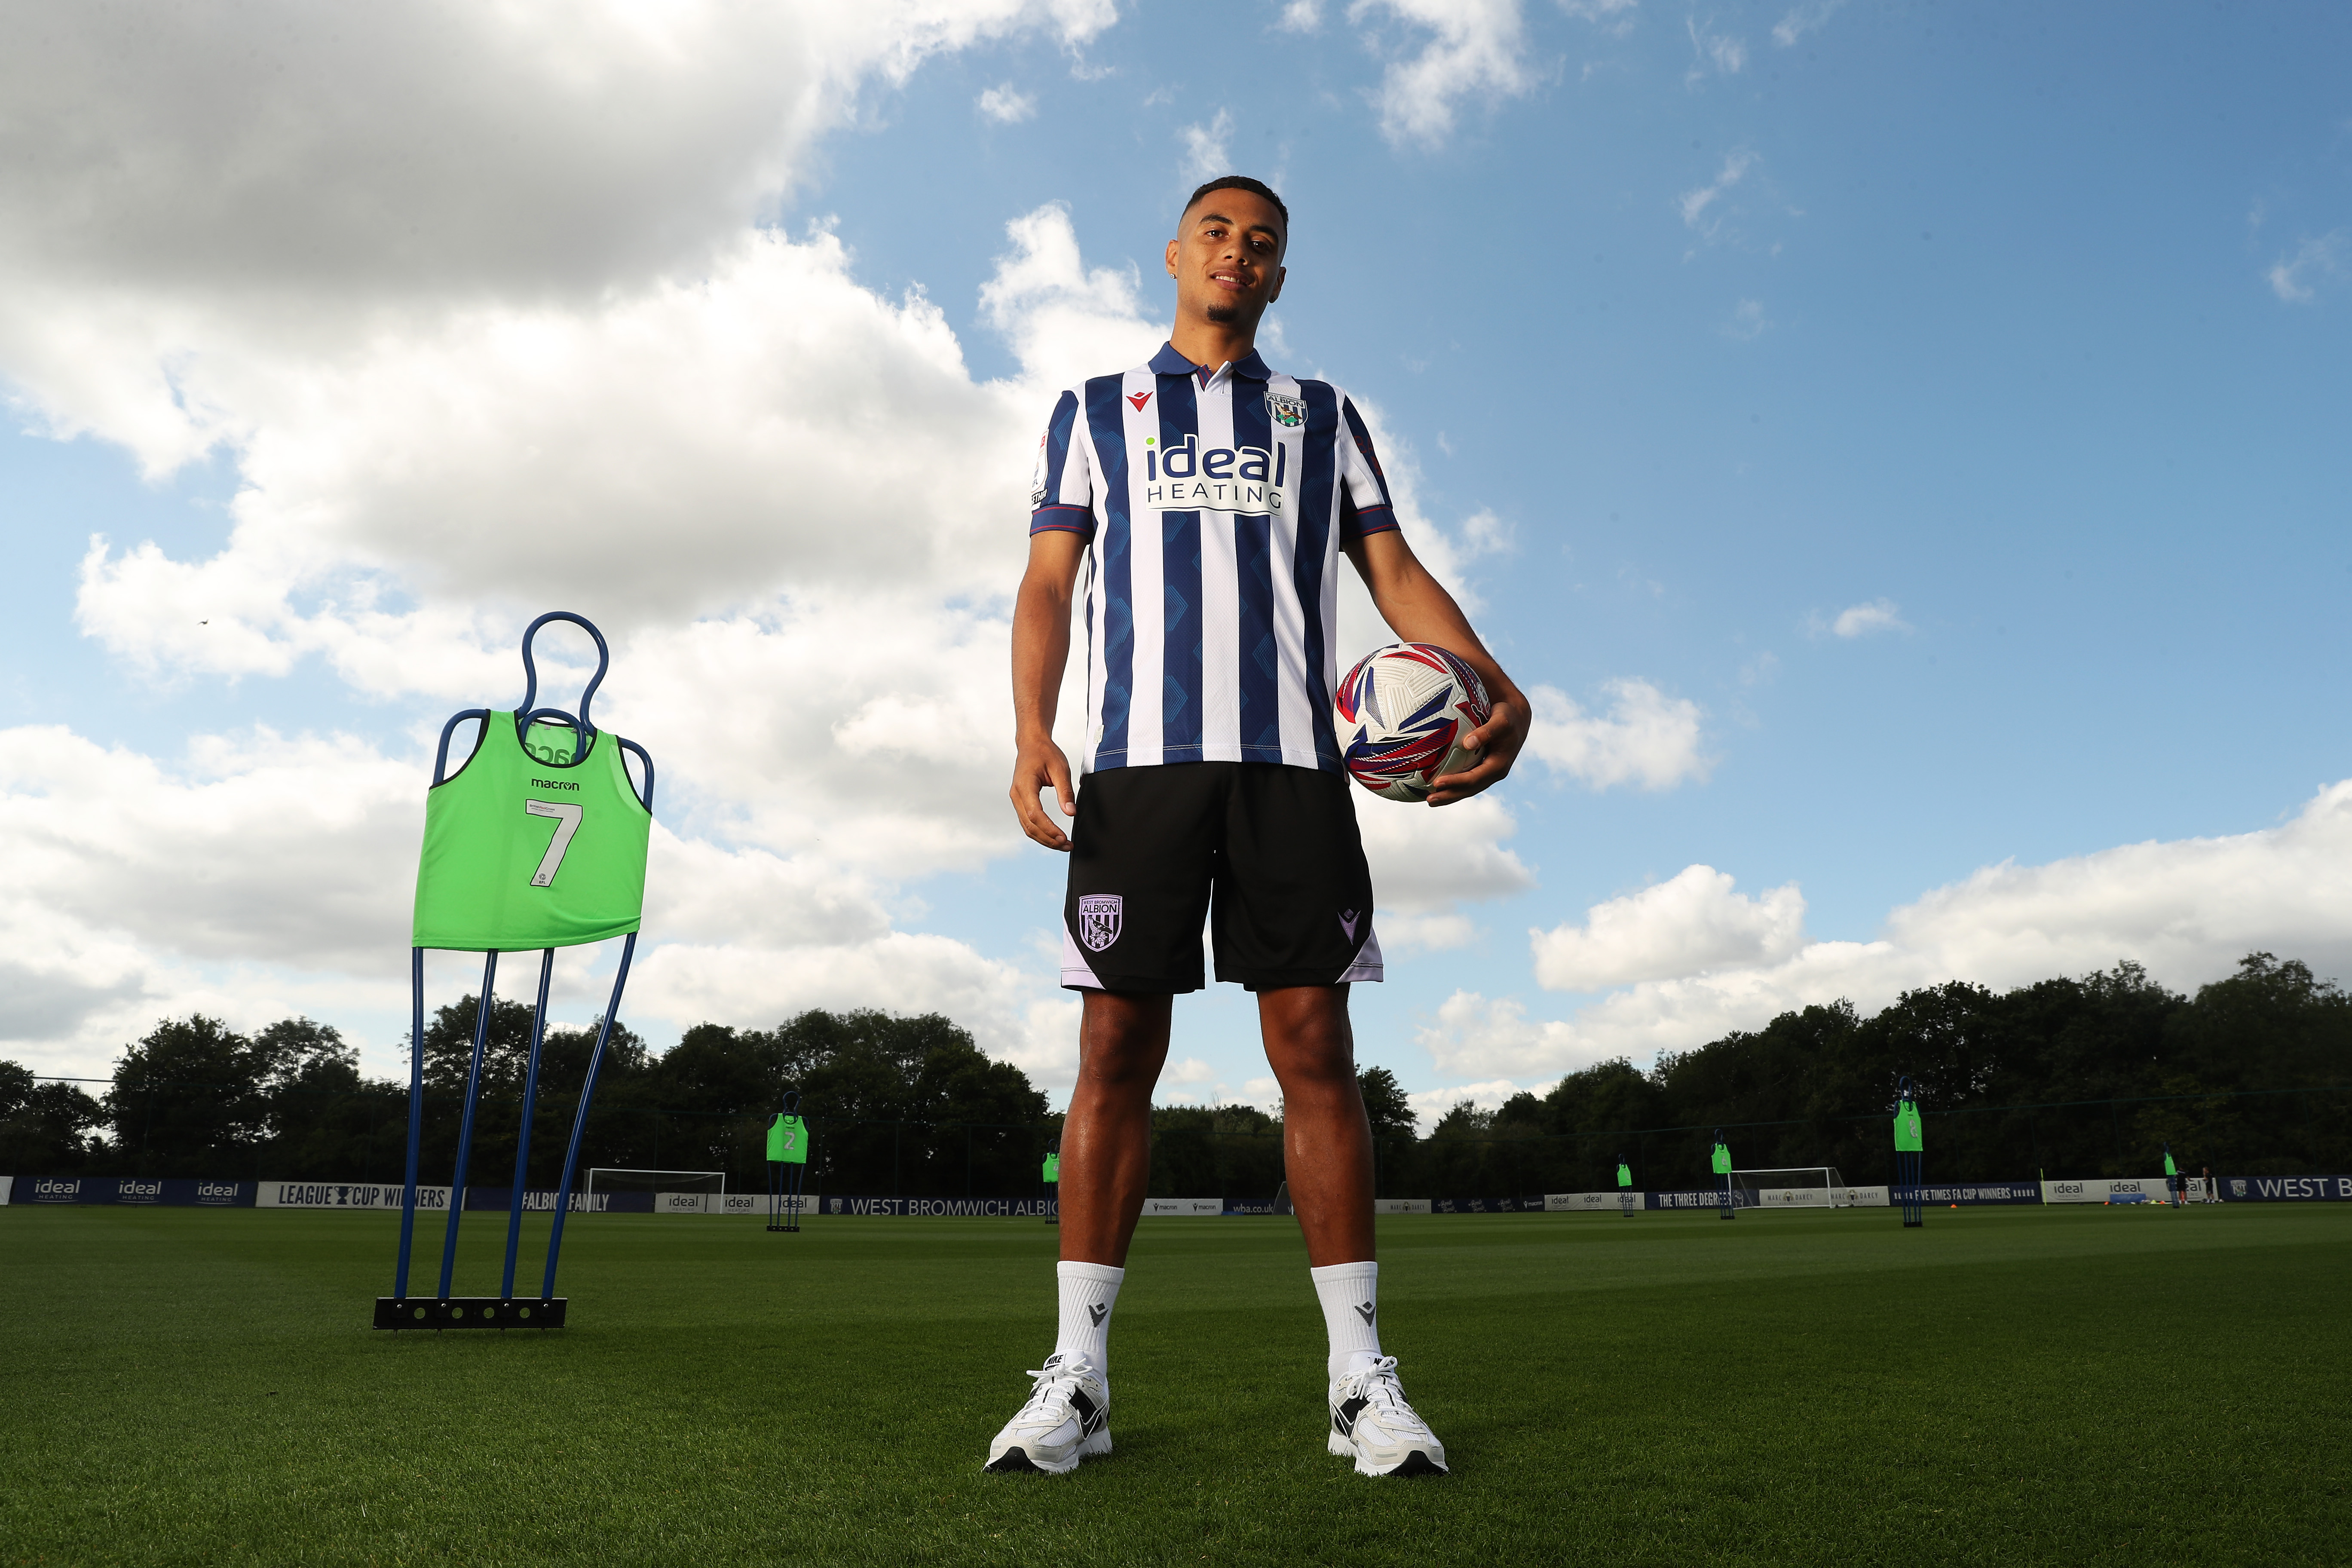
<point>1792,1187</point>
<point>624,1179</point>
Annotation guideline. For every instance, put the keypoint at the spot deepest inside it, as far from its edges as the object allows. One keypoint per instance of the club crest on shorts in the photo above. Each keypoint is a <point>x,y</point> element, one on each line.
<point>1098,921</point>
<point>1290,413</point>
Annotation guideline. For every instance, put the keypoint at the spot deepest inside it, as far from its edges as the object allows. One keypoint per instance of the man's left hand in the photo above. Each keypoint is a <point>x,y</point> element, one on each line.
<point>1496,743</point>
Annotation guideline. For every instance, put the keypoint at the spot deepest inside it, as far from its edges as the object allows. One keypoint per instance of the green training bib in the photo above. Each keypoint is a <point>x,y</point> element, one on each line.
<point>1053,1167</point>
<point>525,848</point>
<point>788,1140</point>
<point>2170,1168</point>
<point>1624,1174</point>
<point>1908,1140</point>
<point>1723,1159</point>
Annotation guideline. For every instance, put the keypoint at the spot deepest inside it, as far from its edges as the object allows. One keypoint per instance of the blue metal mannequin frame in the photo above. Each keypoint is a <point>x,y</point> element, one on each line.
<point>444,1311</point>
<point>1907,1164</point>
<point>785,1176</point>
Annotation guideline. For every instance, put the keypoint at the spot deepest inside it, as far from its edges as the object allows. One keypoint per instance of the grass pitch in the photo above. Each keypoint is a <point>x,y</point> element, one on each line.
<point>2130,1386</point>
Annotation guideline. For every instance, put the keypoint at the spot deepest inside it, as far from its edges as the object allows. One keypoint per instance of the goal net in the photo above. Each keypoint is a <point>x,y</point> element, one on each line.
<point>1795,1187</point>
<point>615,1179</point>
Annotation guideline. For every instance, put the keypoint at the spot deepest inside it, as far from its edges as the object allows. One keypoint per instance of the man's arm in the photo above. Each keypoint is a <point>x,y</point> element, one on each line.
<point>1418,609</point>
<point>1040,646</point>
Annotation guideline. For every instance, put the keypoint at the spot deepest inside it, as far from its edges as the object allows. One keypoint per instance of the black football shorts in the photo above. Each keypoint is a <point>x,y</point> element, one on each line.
<point>1267,853</point>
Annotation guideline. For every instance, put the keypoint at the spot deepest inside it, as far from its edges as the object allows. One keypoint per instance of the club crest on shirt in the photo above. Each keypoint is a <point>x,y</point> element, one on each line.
<point>1290,413</point>
<point>1098,921</point>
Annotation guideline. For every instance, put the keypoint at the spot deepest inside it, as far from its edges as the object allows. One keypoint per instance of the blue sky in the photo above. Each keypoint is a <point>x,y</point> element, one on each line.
<point>1935,410</point>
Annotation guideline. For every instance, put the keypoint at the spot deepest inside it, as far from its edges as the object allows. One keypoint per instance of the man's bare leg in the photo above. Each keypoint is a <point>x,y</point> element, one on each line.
<point>1326,1141</point>
<point>1106,1168</point>
<point>1328,1152</point>
<point>1107,1136</point>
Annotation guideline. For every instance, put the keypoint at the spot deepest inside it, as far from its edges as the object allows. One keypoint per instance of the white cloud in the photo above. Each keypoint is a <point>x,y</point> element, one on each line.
<point>1402,933</point>
<point>318,184</point>
<point>1695,204</point>
<point>1691,924</point>
<point>1646,738</point>
<point>1476,51</point>
<point>585,374</point>
<point>1006,104</point>
<point>1301,16</point>
<point>1615,15</point>
<point>2186,909</point>
<point>651,456</point>
<point>1064,320</point>
<point>1430,1106</point>
<point>1205,154</point>
<point>259,846</point>
<point>1712,50</point>
<point>1472,1035</point>
<point>1863,620</point>
<point>2294,278</point>
<point>908,971</point>
<point>1748,322</point>
<point>1802,19</point>
<point>1426,858</point>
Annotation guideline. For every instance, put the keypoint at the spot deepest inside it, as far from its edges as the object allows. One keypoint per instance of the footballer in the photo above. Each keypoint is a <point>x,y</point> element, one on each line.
<point>1208,498</point>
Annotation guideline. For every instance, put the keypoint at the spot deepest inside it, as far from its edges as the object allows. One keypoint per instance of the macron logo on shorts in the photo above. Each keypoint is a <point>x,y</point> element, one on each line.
<point>1098,921</point>
<point>1347,919</point>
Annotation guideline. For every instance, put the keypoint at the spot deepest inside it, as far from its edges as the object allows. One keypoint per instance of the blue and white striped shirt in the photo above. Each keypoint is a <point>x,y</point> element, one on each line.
<point>1214,505</point>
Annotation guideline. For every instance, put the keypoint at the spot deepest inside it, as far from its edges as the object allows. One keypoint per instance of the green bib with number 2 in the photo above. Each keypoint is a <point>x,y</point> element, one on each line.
<point>788,1140</point>
<point>526,848</point>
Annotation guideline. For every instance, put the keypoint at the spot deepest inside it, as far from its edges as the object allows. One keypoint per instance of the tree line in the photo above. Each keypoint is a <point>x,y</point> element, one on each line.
<point>2078,1077</point>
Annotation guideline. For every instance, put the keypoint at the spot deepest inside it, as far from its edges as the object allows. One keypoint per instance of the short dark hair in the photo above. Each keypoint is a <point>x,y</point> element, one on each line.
<point>1241,183</point>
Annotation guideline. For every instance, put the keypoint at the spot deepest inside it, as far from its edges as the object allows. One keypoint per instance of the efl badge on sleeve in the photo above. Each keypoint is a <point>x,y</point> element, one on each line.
<point>1098,921</point>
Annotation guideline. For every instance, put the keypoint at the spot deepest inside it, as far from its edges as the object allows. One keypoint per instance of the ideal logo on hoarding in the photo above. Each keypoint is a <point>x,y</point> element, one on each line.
<point>130,1190</point>
<point>49,1189</point>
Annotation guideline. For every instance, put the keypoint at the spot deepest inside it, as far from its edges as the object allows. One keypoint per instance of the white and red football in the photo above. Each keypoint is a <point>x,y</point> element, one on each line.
<point>1402,713</point>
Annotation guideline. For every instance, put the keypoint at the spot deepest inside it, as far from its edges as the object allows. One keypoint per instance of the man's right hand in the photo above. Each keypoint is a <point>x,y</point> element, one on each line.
<point>1040,765</point>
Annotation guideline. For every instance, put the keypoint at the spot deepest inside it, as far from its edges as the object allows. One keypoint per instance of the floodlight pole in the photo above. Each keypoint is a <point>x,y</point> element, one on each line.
<point>522,1137</point>
<point>580,1122</point>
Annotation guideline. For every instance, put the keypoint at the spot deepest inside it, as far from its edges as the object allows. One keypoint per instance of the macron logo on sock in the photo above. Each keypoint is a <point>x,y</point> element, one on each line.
<point>1099,1312</point>
<point>1365,1312</point>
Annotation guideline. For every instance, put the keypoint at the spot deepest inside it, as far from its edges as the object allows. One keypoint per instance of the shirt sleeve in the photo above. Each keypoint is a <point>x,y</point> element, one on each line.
<point>1061,495</point>
<point>1364,504</point>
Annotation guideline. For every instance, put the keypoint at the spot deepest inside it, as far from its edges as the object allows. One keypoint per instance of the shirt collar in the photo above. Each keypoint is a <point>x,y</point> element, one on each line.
<point>1168,361</point>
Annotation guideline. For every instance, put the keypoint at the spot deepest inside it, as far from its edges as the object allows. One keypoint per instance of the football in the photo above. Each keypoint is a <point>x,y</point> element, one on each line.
<point>1402,712</point>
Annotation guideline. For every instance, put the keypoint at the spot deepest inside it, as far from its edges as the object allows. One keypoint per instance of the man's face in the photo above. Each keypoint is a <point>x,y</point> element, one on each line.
<point>1227,257</point>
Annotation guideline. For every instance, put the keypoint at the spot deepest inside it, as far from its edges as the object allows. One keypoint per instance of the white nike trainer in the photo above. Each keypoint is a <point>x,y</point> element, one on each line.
<point>1067,1418</point>
<point>1372,1424</point>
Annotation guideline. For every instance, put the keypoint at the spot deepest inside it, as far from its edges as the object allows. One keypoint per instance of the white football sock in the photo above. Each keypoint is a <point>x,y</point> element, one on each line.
<point>1350,1294</point>
<point>1089,1290</point>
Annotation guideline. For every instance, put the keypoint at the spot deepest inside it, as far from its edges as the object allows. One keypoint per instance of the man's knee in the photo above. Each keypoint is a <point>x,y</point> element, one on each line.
<point>1123,1039</point>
